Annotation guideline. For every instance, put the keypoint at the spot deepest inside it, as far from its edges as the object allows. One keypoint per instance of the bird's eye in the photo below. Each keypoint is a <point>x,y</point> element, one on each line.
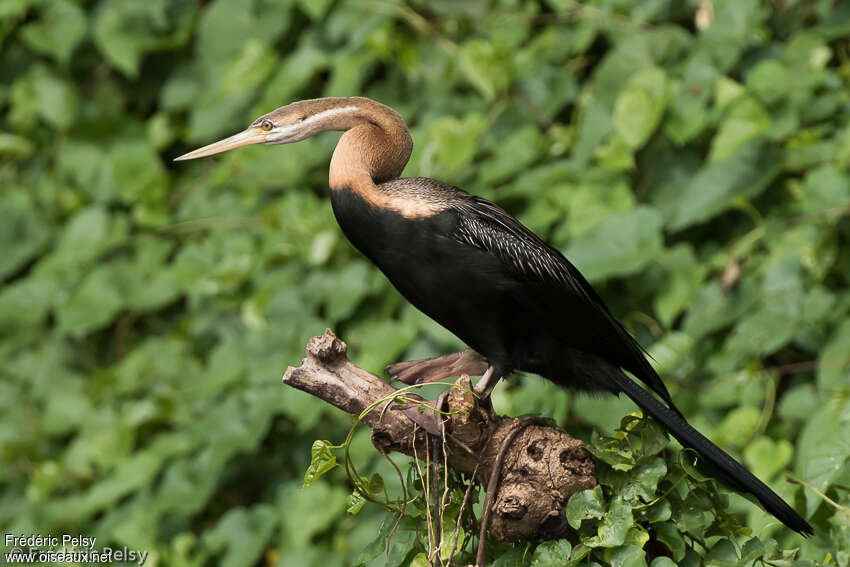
<point>267,125</point>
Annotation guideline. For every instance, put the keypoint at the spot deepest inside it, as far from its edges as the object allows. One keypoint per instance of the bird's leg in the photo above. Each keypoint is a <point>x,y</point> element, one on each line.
<point>430,369</point>
<point>488,381</point>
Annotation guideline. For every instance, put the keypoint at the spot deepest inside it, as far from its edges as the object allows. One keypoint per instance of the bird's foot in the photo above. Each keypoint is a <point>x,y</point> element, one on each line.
<point>485,386</point>
<point>466,362</point>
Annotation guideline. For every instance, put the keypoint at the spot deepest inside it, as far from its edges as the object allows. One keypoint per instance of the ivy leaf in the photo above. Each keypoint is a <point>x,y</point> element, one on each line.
<point>244,534</point>
<point>551,553</point>
<point>746,119</point>
<point>614,526</point>
<point>322,460</point>
<point>752,549</point>
<point>834,361</point>
<point>484,67</point>
<point>60,28</point>
<point>125,30</point>
<point>622,244</point>
<point>722,554</point>
<point>56,98</point>
<point>640,105</point>
<point>822,450</point>
<point>745,173</point>
<point>583,505</point>
<point>668,534</point>
<point>354,503</point>
<point>765,457</point>
<point>628,556</point>
<point>647,474</point>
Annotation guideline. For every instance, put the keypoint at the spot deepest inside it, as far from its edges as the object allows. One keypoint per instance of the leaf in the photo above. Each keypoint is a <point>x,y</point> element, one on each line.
<point>315,9</point>
<point>714,309</point>
<point>132,172</point>
<point>15,146</point>
<point>23,232</point>
<point>308,512</point>
<point>61,26</point>
<point>513,557</point>
<point>354,503</point>
<point>620,245</point>
<point>453,143</point>
<point>628,556</point>
<point>823,449</point>
<point>668,534</point>
<point>639,106</point>
<point>745,120</point>
<point>454,536</point>
<point>752,549</point>
<point>769,79</point>
<point>646,434</point>
<point>740,424</point>
<point>614,526</point>
<point>226,25</point>
<point>834,361</point>
<point>585,504</point>
<point>745,173</point>
<point>690,461</point>
<point>125,30</point>
<point>56,98</point>
<point>825,188</point>
<point>670,352</point>
<point>647,474</point>
<point>799,403</point>
<point>92,305</point>
<point>322,460</point>
<point>551,553</point>
<point>765,457</point>
<point>247,70</point>
<point>26,302</point>
<point>244,533</point>
<point>722,554</point>
<point>485,67</point>
<point>678,290</point>
<point>728,33</point>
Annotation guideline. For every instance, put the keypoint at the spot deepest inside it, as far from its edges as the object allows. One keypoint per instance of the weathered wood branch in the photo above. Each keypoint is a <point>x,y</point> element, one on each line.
<point>541,469</point>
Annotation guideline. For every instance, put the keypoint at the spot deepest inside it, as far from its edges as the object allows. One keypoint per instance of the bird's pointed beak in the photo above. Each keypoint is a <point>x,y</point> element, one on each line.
<point>252,135</point>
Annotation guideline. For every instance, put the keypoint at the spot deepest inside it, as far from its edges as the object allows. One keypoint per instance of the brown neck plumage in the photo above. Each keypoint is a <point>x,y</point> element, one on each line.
<point>375,147</point>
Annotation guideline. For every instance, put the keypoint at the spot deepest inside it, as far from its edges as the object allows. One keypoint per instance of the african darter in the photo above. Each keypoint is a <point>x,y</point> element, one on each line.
<point>466,263</point>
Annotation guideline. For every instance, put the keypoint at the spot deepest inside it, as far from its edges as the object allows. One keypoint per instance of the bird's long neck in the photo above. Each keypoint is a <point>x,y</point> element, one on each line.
<point>375,147</point>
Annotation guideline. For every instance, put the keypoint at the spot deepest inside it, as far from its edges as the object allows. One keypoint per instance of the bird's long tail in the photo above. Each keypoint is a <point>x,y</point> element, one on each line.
<point>740,477</point>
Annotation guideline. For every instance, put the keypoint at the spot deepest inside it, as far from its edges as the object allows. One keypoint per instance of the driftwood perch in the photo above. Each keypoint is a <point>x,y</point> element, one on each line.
<point>542,465</point>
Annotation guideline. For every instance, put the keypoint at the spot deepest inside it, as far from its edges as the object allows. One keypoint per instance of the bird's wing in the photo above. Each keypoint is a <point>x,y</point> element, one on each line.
<point>527,257</point>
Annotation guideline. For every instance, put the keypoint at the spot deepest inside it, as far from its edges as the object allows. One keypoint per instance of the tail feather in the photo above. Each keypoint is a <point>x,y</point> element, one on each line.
<point>734,472</point>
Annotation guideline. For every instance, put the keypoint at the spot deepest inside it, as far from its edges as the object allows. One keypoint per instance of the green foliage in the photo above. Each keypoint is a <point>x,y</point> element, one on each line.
<point>692,158</point>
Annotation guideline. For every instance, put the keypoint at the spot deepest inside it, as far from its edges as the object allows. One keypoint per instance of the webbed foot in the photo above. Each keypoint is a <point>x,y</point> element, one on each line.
<point>411,372</point>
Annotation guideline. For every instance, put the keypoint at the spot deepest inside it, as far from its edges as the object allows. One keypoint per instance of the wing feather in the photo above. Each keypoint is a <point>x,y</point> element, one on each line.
<point>486,226</point>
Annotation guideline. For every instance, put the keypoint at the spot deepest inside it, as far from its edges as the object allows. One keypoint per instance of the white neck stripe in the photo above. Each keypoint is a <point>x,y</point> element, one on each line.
<point>290,128</point>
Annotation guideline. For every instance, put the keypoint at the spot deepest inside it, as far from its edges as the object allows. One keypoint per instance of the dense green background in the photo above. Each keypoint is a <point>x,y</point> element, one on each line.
<point>691,158</point>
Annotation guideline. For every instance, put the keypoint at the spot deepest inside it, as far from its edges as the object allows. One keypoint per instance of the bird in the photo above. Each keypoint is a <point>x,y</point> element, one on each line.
<point>516,301</point>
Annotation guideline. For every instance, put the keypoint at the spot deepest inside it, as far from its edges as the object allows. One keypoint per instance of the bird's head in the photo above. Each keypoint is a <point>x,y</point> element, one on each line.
<point>291,123</point>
